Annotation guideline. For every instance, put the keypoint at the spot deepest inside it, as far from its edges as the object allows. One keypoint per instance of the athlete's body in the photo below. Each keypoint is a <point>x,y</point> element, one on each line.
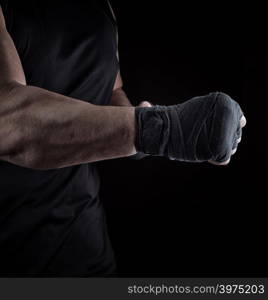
<point>44,130</point>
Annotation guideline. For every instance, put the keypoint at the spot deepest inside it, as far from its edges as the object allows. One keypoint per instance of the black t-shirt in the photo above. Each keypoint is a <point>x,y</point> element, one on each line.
<point>52,222</point>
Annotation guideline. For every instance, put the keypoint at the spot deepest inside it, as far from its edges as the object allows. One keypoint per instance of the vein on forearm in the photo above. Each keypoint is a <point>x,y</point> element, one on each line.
<point>41,129</point>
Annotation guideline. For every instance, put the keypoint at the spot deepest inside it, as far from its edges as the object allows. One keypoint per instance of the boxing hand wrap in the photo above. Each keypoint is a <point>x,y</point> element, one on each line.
<point>200,129</point>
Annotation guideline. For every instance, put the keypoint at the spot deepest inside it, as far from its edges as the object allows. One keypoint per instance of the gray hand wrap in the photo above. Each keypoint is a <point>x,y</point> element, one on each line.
<point>200,129</point>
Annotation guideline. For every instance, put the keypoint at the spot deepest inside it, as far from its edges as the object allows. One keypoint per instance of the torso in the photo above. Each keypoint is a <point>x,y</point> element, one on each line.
<point>52,222</point>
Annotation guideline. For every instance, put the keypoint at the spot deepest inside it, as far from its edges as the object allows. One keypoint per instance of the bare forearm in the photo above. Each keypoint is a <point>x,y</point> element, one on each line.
<point>42,130</point>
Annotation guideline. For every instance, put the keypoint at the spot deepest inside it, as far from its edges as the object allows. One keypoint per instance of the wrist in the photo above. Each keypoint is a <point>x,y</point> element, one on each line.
<point>152,130</point>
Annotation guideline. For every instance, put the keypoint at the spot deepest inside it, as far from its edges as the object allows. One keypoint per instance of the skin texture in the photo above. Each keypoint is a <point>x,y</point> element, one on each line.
<point>34,133</point>
<point>11,69</point>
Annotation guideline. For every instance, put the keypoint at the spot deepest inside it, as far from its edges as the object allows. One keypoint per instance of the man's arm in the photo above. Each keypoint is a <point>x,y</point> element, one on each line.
<point>119,97</point>
<point>10,65</point>
<point>42,130</point>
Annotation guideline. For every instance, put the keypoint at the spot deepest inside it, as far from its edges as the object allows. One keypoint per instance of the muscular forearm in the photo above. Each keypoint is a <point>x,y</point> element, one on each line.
<point>42,130</point>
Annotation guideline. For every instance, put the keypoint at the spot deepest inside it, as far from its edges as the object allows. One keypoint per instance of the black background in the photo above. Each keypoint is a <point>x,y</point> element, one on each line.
<point>179,219</point>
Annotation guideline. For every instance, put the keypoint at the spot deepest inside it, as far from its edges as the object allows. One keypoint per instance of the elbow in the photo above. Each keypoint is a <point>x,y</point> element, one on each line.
<point>11,87</point>
<point>19,144</point>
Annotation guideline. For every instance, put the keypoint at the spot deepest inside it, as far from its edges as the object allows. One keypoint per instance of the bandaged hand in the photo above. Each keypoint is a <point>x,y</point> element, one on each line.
<point>205,128</point>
